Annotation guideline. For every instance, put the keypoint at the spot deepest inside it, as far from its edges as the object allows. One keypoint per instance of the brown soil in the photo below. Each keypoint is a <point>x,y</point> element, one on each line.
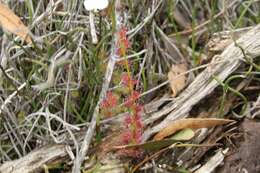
<point>246,158</point>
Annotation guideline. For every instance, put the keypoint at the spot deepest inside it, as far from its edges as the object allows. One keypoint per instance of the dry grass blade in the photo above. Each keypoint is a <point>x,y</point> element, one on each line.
<point>12,23</point>
<point>194,123</point>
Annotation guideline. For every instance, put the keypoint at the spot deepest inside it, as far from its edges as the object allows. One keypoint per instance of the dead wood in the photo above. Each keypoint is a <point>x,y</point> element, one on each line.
<point>35,160</point>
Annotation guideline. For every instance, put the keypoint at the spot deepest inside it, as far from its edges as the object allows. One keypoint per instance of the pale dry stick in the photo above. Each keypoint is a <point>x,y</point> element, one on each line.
<point>48,122</point>
<point>14,133</point>
<point>141,70</point>
<point>255,107</point>
<point>213,162</point>
<point>92,28</point>
<point>78,51</point>
<point>170,42</point>
<point>37,9</point>
<point>132,55</point>
<point>10,97</point>
<point>67,92</point>
<point>68,129</point>
<point>51,115</point>
<point>29,134</point>
<point>10,136</point>
<point>80,69</point>
<point>133,31</point>
<point>75,22</point>
<point>108,75</point>
<point>167,110</point>
<point>3,56</point>
<point>48,12</point>
<point>4,155</point>
<point>11,78</point>
<point>74,10</point>
<point>52,33</point>
<point>67,13</point>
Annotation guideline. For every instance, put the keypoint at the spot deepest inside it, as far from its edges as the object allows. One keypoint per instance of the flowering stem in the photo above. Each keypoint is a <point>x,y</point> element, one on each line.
<point>131,87</point>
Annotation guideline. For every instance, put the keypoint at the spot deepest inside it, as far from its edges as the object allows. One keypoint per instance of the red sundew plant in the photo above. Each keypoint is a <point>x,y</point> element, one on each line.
<point>109,103</point>
<point>133,122</point>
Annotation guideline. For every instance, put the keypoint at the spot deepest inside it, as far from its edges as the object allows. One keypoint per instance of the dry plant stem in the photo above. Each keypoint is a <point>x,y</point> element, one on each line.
<point>69,77</point>
<point>255,107</point>
<point>9,98</point>
<point>144,22</point>
<point>13,137</point>
<point>204,83</point>
<point>53,116</point>
<point>91,129</point>
<point>132,56</point>
<point>167,39</point>
<point>47,13</point>
<point>3,56</point>
<point>92,28</point>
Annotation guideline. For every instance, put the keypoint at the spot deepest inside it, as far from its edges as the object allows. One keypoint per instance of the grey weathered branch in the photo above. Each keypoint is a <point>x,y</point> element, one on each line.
<point>35,160</point>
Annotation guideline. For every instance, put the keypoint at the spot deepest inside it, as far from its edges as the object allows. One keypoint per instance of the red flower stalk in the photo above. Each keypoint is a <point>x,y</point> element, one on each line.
<point>134,125</point>
<point>133,120</point>
<point>123,42</point>
<point>133,132</point>
<point>133,136</point>
<point>128,81</point>
<point>132,99</point>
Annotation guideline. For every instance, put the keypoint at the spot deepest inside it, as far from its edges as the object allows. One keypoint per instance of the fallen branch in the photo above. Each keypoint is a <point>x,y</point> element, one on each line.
<point>35,160</point>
